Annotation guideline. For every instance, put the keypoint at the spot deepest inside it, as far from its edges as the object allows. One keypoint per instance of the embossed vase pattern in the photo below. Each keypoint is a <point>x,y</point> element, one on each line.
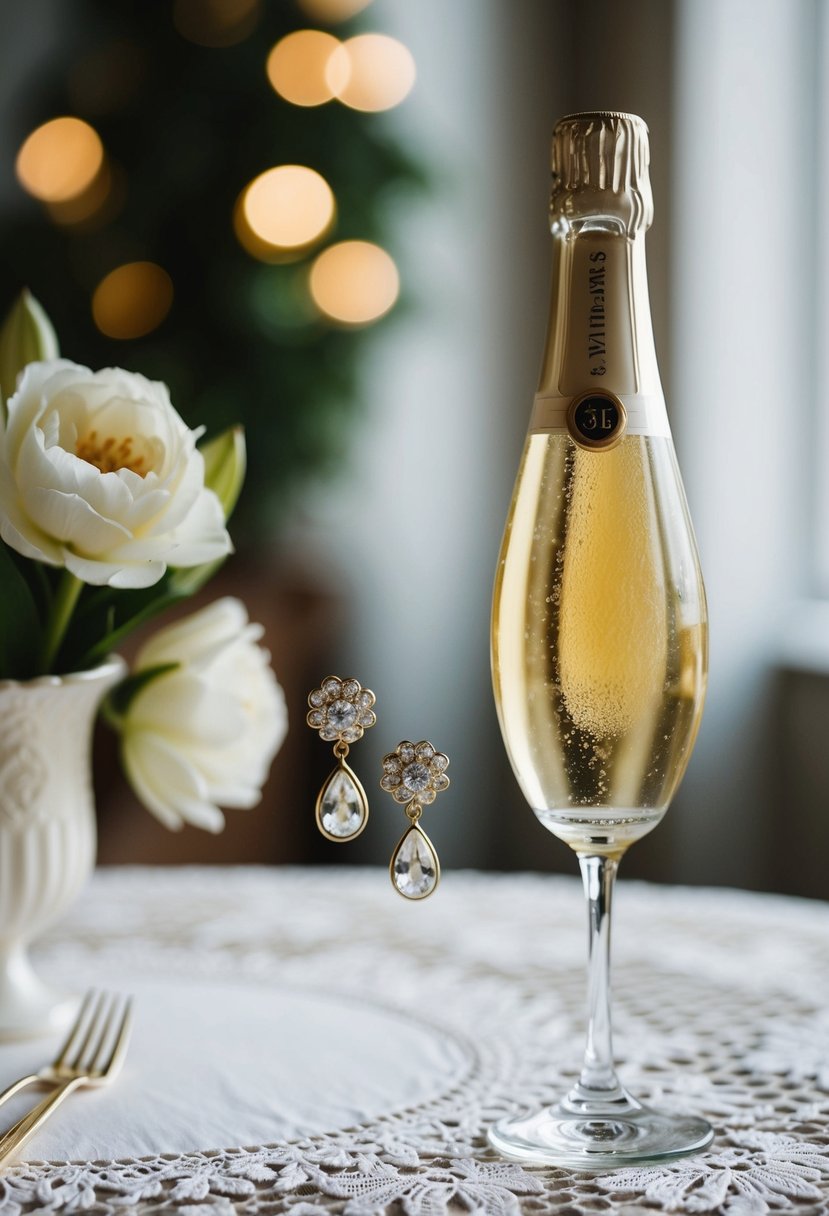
<point>47,826</point>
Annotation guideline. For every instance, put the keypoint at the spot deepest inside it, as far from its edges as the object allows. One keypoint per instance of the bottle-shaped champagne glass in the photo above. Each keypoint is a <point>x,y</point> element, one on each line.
<point>599,635</point>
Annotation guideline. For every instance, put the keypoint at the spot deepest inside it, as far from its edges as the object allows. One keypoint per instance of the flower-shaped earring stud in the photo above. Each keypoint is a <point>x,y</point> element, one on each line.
<point>341,711</point>
<point>414,774</point>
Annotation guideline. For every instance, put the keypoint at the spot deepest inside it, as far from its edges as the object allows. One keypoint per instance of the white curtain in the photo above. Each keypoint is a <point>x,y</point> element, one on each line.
<point>743,277</point>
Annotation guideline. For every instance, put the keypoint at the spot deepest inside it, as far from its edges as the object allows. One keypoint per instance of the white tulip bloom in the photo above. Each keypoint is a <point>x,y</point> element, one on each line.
<point>98,473</point>
<point>204,735</point>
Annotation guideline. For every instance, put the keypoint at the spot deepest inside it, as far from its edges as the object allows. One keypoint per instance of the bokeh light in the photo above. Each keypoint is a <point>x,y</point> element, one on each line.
<point>132,300</point>
<point>282,210</point>
<point>332,11</point>
<point>95,203</point>
<point>59,160</point>
<point>296,67</point>
<point>371,72</point>
<point>216,23</point>
<point>354,282</point>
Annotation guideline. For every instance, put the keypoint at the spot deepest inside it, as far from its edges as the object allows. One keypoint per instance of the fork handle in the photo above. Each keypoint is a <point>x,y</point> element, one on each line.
<point>18,1085</point>
<point>17,1136</point>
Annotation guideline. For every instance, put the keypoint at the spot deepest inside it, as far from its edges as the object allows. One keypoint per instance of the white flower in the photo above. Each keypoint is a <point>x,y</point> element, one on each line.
<point>98,473</point>
<point>204,735</point>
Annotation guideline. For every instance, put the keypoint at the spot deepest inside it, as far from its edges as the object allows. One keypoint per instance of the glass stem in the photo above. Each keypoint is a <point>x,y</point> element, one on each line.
<point>598,1077</point>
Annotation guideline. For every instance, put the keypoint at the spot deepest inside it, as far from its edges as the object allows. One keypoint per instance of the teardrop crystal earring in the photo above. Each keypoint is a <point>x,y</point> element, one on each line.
<point>414,774</point>
<point>341,710</point>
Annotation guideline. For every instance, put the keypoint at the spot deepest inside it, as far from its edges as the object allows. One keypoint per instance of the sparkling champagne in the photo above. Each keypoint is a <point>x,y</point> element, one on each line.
<point>599,635</point>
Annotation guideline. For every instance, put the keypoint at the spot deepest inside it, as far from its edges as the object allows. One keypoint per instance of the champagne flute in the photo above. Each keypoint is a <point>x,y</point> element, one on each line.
<point>599,626</point>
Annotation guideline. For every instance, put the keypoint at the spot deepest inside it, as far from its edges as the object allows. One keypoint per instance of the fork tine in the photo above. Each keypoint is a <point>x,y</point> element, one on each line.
<point>122,1038</point>
<point>97,1012</point>
<point>91,1063</point>
<point>75,1028</point>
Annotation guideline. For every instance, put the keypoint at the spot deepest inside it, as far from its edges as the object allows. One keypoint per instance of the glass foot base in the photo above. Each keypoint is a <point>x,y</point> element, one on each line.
<point>619,1133</point>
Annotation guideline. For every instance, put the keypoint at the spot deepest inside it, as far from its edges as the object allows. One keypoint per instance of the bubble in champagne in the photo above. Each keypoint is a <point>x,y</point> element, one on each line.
<point>613,628</point>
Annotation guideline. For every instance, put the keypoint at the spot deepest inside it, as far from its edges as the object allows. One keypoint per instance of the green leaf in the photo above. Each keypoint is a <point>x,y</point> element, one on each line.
<point>225,461</point>
<point>114,634</point>
<point>19,622</point>
<point>26,336</point>
<point>121,697</point>
<point>185,581</point>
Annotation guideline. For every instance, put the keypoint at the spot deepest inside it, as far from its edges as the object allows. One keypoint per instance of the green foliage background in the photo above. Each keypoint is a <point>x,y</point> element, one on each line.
<point>186,127</point>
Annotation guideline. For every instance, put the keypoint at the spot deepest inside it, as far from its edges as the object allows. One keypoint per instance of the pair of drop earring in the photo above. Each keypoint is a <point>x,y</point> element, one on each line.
<point>414,774</point>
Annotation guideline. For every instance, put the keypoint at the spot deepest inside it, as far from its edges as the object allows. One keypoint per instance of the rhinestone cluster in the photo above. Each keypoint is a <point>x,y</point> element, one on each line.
<point>341,710</point>
<point>415,772</point>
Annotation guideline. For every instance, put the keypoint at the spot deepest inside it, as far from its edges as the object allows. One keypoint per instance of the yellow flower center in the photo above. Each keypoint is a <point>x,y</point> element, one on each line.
<point>111,454</point>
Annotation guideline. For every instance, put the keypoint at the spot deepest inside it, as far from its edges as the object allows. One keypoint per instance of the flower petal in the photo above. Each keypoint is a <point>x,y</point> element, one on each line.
<point>70,518</point>
<point>111,574</point>
<point>196,635</point>
<point>166,784</point>
<point>26,403</point>
<point>18,531</point>
<point>202,536</point>
<point>188,710</point>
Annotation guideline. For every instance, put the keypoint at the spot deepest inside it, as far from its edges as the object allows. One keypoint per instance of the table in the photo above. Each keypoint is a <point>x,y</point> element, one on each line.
<point>306,1042</point>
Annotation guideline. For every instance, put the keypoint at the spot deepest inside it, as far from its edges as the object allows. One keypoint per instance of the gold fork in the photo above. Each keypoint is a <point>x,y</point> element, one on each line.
<point>50,1074</point>
<point>92,1055</point>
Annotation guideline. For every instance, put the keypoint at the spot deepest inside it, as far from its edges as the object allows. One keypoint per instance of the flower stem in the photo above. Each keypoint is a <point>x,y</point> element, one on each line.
<point>63,605</point>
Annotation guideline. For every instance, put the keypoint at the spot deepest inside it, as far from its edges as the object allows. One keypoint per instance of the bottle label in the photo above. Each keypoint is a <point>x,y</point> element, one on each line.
<point>601,347</point>
<point>596,420</point>
<point>640,415</point>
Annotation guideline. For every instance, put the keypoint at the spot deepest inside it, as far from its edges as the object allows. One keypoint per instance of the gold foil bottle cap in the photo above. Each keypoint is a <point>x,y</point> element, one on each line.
<point>600,167</point>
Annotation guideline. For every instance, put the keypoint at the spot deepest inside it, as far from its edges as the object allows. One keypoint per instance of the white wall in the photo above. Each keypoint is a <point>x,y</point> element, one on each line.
<point>741,333</point>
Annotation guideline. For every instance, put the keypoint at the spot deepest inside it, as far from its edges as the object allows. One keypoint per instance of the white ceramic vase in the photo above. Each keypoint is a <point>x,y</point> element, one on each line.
<point>47,827</point>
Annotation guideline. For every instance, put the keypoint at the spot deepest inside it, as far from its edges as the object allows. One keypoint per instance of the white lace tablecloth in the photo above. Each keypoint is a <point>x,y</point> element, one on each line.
<point>307,1043</point>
